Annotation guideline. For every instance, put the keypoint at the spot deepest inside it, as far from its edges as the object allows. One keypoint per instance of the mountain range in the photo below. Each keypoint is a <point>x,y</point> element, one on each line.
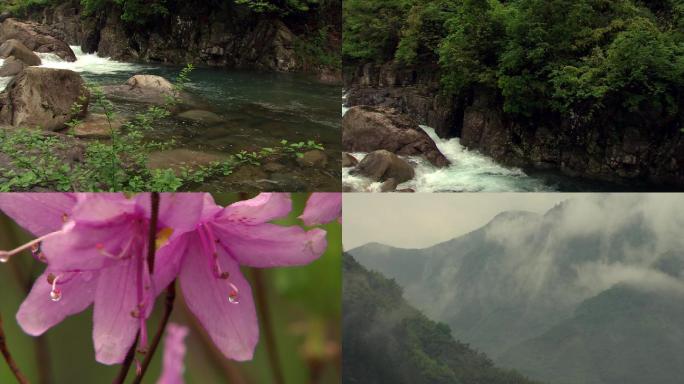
<point>590,292</point>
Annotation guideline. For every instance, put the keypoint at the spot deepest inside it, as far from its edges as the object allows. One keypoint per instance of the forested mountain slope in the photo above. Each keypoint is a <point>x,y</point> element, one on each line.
<point>385,340</point>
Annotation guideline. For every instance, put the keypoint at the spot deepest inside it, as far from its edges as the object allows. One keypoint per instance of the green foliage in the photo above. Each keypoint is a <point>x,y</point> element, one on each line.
<point>36,160</point>
<point>277,6</point>
<point>372,28</point>
<point>316,51</point>
<point>540,56</point>
<point>21,8</point>
<point>134,11</point>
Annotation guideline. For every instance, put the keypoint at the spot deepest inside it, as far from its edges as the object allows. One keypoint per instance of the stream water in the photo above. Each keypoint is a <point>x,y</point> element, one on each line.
<point>259,109</point>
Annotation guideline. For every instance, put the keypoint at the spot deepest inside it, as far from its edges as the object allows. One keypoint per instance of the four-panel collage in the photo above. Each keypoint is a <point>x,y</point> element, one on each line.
<point>341,191</point>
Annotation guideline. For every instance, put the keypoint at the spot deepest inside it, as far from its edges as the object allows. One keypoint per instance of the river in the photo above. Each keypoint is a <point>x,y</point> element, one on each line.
<point>259,110</point>
<point>471,171</point>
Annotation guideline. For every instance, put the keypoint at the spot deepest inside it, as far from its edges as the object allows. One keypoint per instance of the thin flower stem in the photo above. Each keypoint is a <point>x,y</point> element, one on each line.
<point>152,238</point>
<point>126,366</point>
<point>8,357</point>
<point>43,359</point>
<point>168,308</point>
<point>272,348</point>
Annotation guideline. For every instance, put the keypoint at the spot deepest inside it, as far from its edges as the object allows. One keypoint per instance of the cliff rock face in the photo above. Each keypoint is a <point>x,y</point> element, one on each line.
<point>620,147</point>
<point>193,32</point>
<point>411,91</point>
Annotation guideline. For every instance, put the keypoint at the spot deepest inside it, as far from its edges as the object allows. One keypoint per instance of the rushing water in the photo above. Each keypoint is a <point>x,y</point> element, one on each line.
<point>259,110</point>
<point>469,171</point>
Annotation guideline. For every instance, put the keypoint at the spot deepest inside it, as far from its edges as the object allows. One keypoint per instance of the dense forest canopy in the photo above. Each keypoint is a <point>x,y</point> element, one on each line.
<point>564,56</point>
<point>139,10</point>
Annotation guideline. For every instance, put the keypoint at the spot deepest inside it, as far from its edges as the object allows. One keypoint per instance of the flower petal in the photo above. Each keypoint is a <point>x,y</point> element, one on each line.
<point>270,245</point>
<point>261,209</point>
<point>100,209</point>
<point>38,312</point>
<point>78,246</point>
<point>322,208</point>
<point>179,211</point>
<point>233,327</point>
<point>114,327</point>
<point>39,213</point>
<point>167,263</point>
<point>174,353</point>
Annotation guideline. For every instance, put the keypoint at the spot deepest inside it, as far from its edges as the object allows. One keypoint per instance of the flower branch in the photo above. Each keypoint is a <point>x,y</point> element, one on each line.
<point>8,357</point>
<point>168,308</point>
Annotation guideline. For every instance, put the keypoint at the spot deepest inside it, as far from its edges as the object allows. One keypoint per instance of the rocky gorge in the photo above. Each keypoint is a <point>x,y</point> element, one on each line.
<point>48,86</point>
<point>618,150</point>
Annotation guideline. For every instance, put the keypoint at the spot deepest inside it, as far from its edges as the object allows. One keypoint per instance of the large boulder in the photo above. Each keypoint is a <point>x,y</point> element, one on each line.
<point>35,37</point>
<point>366,128</point>
<point>382,165</point>
<point>43,97</point>
<point>11,67</point>
<point>149,89</point>
<point>13,47</point>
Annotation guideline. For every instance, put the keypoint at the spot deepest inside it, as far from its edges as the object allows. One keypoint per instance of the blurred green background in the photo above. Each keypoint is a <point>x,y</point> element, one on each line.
<point>304,305</point>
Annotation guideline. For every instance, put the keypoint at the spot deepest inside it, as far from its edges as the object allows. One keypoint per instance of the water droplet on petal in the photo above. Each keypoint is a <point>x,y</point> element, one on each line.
<point>4,256</point>
<point>56,294</point>
<point>233,297</point>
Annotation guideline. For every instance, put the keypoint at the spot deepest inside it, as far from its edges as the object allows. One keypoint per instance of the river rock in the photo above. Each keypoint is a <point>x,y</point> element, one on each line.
<point>382,165</point>
<point>43,97</point>
<point>11,67</point>
<point>5,15</point>
<point>314,158</point>
<point>348,160</point>
<point>389,185</point>
<point>366,128</point>
<point>96,126</point>
<point>35,37</point>
<point>272,167</point>
<point>200,116</point>
<point>149,89</point>
<point>13,47</point>
<point>178,158</point>
<point>153,82</point>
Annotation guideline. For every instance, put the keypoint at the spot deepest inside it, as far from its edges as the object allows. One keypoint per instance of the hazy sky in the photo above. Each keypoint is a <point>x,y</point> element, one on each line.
<point>418,220</point>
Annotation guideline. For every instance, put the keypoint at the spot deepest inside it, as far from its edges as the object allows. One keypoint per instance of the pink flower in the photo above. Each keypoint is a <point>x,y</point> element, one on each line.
<point>322,208</point>
<point>225,239</point>
<point>174,353</point>
<point>99,256</point>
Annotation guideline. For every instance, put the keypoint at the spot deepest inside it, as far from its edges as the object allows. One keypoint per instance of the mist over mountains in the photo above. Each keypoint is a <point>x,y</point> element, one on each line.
<point>590,292</point>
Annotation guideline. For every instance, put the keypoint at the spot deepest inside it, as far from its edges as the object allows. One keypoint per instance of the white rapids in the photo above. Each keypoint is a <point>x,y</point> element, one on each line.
<point>87,62</point>
<point>470,171</point>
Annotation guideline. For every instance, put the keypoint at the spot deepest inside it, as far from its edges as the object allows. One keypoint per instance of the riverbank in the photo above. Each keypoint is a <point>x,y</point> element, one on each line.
<point>224,114</point>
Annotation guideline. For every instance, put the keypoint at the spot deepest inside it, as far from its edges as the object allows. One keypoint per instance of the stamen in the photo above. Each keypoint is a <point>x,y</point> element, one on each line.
<point>122,255</point>
<point>208,242</point>
<point>55,293</point>
<point>5,255</point>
